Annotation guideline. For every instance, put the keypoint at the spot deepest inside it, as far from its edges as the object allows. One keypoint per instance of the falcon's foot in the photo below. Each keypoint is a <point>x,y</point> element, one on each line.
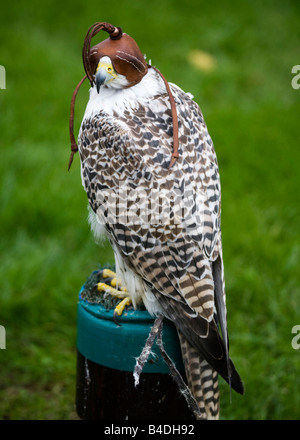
<point>121,306</point>
<point>115,289</point>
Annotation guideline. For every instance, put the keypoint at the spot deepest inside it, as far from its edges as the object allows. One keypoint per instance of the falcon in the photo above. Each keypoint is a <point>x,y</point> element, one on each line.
<point>150,171</point>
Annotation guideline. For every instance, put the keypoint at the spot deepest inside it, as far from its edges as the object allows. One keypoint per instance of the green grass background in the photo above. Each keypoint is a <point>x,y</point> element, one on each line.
<point>47,250</point>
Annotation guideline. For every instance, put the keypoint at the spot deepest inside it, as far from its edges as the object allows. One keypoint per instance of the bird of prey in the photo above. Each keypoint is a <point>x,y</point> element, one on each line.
<point>150,171</point>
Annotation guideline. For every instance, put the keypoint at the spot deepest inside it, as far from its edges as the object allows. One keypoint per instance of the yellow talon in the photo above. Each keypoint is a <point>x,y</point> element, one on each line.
<point>115,282</point>
<point>107,273</point>
<point>102,287</point>
<point>121,306</point>
<point>115,289</point>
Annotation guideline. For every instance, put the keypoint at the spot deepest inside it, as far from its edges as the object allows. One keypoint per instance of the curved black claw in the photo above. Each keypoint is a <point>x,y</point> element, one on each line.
<point>115,318</point>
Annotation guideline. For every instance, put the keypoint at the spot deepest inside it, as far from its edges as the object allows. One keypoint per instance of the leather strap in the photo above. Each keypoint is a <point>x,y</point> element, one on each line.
<point>74,146</point>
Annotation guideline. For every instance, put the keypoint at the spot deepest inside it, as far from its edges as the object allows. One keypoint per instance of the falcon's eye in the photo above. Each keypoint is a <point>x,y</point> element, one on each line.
<point>109,69</point>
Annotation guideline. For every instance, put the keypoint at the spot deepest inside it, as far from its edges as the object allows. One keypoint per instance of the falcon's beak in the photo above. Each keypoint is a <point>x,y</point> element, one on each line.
<point>101,77</point>
<point>105,73</point>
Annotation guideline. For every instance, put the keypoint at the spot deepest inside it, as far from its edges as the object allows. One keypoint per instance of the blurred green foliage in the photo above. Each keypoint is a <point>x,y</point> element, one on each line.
<point>47,250</point>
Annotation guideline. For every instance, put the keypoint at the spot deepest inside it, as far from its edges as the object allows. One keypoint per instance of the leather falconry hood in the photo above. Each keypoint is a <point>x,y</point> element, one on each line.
<point>125,55</point>
<point>127,60</point>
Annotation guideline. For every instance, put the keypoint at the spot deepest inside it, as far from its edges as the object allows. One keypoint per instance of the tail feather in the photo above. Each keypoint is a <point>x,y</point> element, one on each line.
<point>202,380</point>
